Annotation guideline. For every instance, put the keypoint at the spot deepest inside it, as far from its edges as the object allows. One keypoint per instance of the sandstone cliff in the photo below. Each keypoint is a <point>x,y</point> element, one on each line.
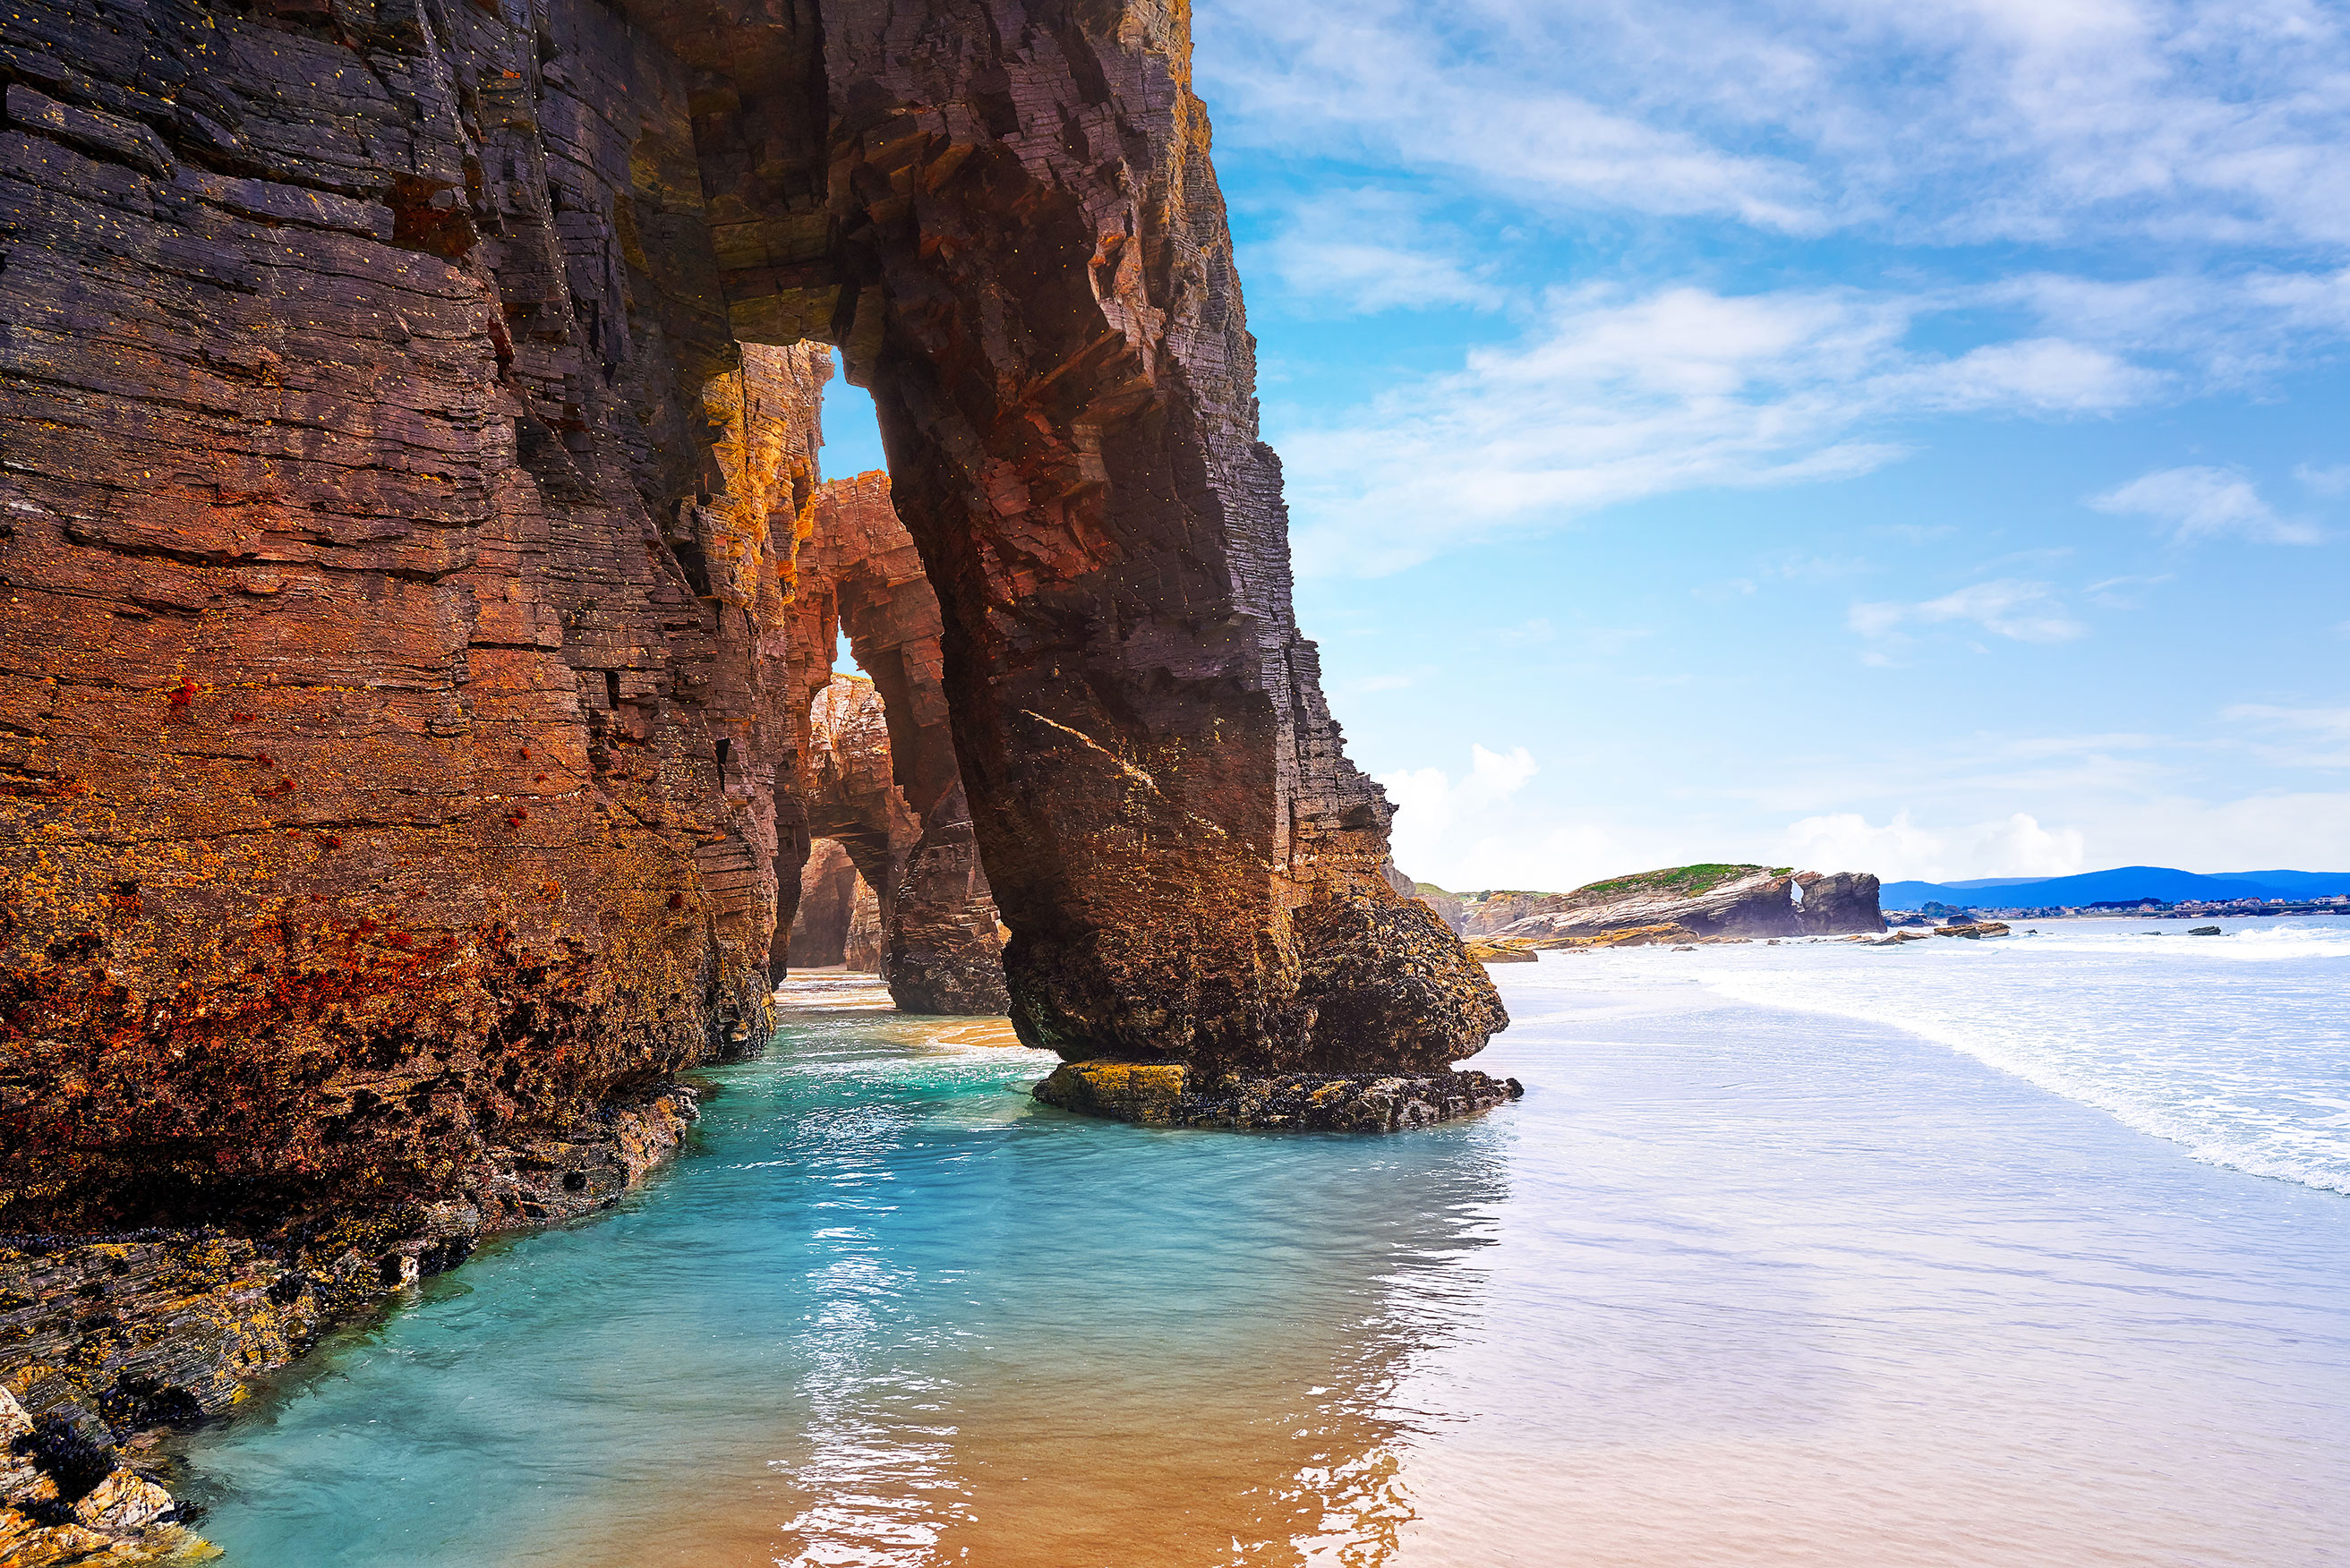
<point>1840,904</point>
<point>409,415</point>
<point>860,576</point>
<point>828,888</point>
<point>401,411</point>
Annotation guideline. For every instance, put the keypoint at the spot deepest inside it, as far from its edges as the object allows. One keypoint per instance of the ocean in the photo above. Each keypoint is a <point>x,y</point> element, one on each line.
<point>2031,1251</point>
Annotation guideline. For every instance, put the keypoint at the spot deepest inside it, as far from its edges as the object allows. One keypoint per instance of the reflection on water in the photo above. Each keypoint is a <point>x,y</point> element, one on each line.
<point>893,1311</point>
<point>1733,1287</point>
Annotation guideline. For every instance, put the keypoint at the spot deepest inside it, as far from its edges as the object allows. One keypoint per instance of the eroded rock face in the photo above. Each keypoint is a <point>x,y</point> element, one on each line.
<point>1843,903</point>
<point>401,408</point>
<point>384,766</point>
<point>1698,901</point>
<point>859,573</point>
<point>409,415</point>
<point>1157,788</point>
<point>1167,1094</point>
<point>820,922</point>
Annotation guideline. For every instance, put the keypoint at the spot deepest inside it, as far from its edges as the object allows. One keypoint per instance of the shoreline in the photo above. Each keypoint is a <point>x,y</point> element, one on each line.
<point>1778,1245</point>
<point>112,1343</point>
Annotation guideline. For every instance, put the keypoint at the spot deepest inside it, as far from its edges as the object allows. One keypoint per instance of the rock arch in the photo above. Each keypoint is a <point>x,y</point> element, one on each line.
<point>859,575</point>
<point>1017,240</point>
<point>410,412</point>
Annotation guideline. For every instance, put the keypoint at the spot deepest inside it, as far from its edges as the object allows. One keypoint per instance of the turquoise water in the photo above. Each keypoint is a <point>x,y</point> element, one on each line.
<point>1735,1284</point>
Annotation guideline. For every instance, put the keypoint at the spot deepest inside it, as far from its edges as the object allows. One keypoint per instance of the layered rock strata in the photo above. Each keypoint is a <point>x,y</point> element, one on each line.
<point>387,769</point>
<point>1187,862</point>
<point>1169,1094</point>
<point>1697,901</point>
<point>1843,903</point>
<point>398,409</point>
<point>410,423</point>
<point>860,577</point>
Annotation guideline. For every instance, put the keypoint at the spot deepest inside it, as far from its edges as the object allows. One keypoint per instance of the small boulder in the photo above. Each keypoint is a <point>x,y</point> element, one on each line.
<point>122,1503</point>
<point>2204,931</point>
<point>1148,1093</point>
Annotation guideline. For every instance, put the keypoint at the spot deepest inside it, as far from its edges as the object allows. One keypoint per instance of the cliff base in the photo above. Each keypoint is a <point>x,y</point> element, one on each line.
<point>107,1340</point>
<point>1169,1095</point>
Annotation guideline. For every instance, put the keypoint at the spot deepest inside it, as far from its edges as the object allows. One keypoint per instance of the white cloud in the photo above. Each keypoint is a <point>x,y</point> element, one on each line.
<point>2306,737</point>
<point>1428,92</point>
<point>1902,850</point>
<point>2043,375</point>
<point>1612,396</point>
<point>1478,830</point>
<point>1363,251</point>
<point>2119,593</point>
<point>2204,503</point>
<point>2182,121</point>
<point>2324,480</point>
<point>2009,606</point>
<point>1429,802</point>
<point>2304,830</point>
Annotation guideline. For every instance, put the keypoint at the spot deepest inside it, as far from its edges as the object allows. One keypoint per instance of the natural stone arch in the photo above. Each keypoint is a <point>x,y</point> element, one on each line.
<point>830,891</point>
<point>1017,240</point>
<point>403,618</point>
<point>859,575</point>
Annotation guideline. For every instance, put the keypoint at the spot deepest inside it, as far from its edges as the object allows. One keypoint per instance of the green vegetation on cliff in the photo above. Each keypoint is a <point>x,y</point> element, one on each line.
<point>1688,881</point>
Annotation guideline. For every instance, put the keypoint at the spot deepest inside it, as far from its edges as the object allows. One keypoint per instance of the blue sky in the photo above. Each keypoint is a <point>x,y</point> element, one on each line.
<point>1901,438</point>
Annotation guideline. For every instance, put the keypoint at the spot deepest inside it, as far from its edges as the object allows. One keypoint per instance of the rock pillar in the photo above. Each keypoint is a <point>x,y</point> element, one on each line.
<point>1038,285</point>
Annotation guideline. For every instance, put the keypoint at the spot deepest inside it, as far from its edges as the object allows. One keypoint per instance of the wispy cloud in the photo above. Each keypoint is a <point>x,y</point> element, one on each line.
<point>2121,593</point>
<point>2186,120</point>
<point>2300,737</point>
<point>1433,808</point>
<point>1363,251</point>
<point>1456,93</point>
<point>2007,607</point>
<point>1614,396</point>
<point>2205,502</point>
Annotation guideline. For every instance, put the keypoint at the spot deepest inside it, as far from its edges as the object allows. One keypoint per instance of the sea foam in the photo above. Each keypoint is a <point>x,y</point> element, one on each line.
<point>2235,1046</point>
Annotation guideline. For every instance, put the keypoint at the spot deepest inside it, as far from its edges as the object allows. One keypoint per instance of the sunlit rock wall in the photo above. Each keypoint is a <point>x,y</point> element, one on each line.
<point>385,533</point>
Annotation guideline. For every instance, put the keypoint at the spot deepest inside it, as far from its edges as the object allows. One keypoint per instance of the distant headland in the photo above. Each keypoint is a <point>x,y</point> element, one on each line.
<point>2131,889</point>
<point>1671,906</point>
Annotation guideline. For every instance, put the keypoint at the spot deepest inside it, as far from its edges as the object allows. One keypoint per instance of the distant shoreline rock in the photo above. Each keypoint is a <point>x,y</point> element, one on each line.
<point>1701,902</point>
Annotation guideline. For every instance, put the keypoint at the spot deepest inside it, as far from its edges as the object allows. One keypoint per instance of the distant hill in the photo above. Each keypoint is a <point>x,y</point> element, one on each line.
<point>2124,882</point>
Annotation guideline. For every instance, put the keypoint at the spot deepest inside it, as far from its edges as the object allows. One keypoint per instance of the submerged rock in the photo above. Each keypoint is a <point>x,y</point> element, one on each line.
<point>1169,1095</point>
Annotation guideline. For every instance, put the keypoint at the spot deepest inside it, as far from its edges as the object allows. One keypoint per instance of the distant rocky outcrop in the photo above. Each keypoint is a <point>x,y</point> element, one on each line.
<point>1448,907</point>
<point>1843,903</point>
<point>1709,900</point>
